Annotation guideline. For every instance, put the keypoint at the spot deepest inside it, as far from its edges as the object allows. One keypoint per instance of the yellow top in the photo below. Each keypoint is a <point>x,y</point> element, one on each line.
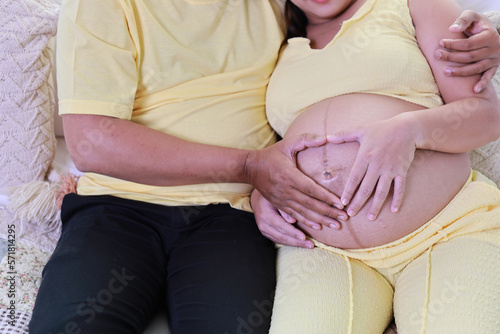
<point>196,69</point>
<point>374,52</point>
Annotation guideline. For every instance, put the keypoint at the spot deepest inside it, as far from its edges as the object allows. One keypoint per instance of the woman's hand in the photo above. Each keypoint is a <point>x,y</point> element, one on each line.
<point>387,148</point>
<point>480,53</point>
<point>273,172</point>
<point>273,226</point>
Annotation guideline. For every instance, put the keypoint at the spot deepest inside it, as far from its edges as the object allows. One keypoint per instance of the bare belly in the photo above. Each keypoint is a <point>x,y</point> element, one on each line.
<point>433,179</point>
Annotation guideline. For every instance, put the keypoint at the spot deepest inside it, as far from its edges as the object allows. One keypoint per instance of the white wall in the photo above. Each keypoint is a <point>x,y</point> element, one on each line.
<point>480,5</point>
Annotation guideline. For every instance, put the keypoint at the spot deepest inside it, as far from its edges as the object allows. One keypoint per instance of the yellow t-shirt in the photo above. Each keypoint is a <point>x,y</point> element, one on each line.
<point>375,52</point>
<point>196,69</point>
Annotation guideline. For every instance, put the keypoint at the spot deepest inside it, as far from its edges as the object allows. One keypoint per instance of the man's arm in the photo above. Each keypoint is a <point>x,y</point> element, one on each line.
<point>126,150</point>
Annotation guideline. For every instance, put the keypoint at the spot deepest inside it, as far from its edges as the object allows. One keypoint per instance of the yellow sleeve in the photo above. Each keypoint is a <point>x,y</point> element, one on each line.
<point>96,58</point>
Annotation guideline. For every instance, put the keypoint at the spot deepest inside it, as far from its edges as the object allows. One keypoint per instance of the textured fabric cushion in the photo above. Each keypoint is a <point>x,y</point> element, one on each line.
<point>494,16</point>
<point>26,97</point>
<point>486,159</point>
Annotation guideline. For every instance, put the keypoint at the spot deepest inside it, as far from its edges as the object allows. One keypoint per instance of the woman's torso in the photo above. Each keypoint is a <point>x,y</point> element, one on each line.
<point>368,68</point>
<point>433,178</point>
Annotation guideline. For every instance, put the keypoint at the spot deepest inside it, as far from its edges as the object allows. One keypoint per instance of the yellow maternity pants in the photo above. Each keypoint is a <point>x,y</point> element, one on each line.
<point>443,278</point>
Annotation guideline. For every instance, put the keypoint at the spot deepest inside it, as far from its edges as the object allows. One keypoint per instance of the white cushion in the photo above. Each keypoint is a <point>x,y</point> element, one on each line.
<point>26,98</point>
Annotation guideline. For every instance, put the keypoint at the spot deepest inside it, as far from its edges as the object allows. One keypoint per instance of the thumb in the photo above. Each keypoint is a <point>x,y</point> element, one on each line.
<point>289,219</point>
<point>464,21</point>
<point>306,140</point>
<point>485,79</point>
<point>343,137</point>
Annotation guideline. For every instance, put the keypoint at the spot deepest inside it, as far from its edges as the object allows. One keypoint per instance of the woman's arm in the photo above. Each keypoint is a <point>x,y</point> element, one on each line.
<point>478,54</point>
<point>468,120</point>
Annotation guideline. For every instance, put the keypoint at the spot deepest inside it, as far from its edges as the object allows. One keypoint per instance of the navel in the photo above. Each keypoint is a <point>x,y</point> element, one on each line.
<point>328,175</point>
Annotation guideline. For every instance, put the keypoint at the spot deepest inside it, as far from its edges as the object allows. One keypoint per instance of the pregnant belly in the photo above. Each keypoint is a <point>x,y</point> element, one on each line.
<point>433,179</point>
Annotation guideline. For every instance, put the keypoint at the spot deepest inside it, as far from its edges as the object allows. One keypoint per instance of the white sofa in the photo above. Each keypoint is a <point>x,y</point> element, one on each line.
<point>34,157</point>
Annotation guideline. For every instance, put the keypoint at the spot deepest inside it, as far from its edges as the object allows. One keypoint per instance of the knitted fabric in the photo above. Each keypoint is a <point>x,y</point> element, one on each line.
<point>26,98</point>
<point>486,159</point>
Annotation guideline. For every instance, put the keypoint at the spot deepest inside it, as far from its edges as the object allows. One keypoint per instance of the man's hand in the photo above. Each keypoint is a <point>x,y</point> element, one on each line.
<point>480,53</point>
<point>273,226</point>
<point>273,172</point>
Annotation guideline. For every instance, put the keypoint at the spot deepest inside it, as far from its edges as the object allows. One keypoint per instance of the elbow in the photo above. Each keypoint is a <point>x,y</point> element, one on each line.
<point>84,142</point>
<point>81,161</point>
<point>82,165</point>
<point>83,155</point>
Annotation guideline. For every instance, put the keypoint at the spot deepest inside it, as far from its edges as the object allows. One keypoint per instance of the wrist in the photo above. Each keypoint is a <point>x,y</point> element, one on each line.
<point>249,166</point>
<point>413,128</point>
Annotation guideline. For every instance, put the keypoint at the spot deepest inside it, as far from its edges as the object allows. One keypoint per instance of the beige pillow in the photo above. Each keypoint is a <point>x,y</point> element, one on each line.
<point>494,17</point>
<point>486,159</point>
<point>26,98</point>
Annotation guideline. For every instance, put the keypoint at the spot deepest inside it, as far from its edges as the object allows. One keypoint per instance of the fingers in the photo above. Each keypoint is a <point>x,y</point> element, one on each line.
<point>289,219</point>
<point>272,225</point>
<point>283,233</point>
<point>375,186</point>
<point>313,213</point>
<point>355,178</point>
<point>477,42</point>
<point>381,193</point>
<point>467,70</point>
<point>313,196</point>
<point>399,191</point>
<point>274,172</point>
<point>307,202</point>
<point>463,57</point>
<point>304,141</point>
<point>363,193</point>
<point>485,79</point>
<point>464,21</point>
<point>487,69</point>
<point>278,230</point>
<point>343,137</point>
<point>480,52</point>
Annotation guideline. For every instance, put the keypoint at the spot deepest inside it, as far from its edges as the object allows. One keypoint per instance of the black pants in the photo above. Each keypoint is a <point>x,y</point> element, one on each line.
<point>118,260</point>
